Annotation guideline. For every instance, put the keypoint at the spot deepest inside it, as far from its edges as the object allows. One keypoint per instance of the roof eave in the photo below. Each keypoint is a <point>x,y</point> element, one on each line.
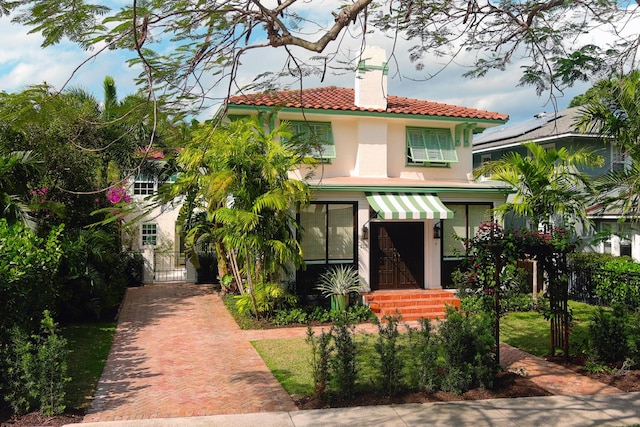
<point>300,110</point>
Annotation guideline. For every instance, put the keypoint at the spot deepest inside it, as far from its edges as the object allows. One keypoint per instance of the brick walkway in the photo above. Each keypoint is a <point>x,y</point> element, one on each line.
<point>551,376</point>
<point>177,352</point>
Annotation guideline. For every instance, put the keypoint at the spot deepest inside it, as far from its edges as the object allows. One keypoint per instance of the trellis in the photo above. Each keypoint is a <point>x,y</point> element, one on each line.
<point>553,262</point>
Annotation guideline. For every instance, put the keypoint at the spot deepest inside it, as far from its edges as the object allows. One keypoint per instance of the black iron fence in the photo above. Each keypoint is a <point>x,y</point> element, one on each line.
<point>621,286</point>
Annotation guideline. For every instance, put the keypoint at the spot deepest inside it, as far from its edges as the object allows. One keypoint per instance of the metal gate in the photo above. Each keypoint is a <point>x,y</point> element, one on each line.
<point>169,267</point>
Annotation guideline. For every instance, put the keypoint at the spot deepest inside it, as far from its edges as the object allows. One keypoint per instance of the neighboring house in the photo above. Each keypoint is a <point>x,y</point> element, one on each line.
<point>393,184</point>
<point>156,233</point>
<point>557,130</point>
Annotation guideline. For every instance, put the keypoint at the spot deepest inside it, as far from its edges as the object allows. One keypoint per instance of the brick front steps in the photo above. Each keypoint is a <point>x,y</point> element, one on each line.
<point>412,304</point>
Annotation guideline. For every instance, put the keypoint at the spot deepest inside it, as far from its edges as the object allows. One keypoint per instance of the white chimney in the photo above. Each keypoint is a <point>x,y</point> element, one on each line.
<point>371,79</point>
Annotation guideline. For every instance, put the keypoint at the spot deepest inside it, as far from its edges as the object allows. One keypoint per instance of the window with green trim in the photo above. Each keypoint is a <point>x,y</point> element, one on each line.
<point>329,233</point>
<point>320,137</point>
<point>430,147</point>
<point>149,234</point>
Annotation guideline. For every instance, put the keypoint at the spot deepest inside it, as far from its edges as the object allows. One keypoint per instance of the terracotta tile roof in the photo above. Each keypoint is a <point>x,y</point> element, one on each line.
<point>342,99</point>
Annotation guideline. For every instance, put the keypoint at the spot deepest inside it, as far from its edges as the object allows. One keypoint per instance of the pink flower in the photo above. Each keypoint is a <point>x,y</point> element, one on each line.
<point>117,195</point>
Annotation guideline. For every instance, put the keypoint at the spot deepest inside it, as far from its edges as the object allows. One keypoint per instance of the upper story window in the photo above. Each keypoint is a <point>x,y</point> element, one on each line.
<point>619,160</point>
<point>145,185</point>
<point>320,135</point>
<point>430,147</point>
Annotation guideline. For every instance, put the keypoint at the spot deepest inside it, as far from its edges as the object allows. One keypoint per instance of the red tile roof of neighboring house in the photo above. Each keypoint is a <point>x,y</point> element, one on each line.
<point>342,99</point>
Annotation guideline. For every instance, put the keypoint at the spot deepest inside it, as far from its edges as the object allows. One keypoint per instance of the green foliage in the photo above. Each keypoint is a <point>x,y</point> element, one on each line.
<point>235,179</point>
<point>468,351</point>
<point>612,280</point>
<point>28,264</point>
<point>391,363</point>
<point>94,274</point>
<point>20,373</point>
<point>17,168</point>
<point>609,335</point>
<point>265,298</point>
<point>615,286</point>
<point>550,188</point>
<point>36,369</point>
<point>425,367</point>
<point>339,280</point>
<point>343,363</point>
<point>611,110</point>
<point>320,355</point>
<point>52,368</point>
<point>307,314</point>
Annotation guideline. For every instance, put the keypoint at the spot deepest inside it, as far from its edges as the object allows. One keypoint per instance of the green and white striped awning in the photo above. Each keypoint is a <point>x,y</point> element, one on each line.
<point>408,206</point>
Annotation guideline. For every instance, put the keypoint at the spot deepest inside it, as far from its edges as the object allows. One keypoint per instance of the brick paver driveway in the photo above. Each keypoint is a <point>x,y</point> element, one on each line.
<point>177,352</point>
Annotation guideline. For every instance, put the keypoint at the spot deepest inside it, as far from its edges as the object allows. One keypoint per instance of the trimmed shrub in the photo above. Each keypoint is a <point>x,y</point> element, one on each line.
<point>391,362</point>
<point>468,351</point>
<point>343,364</point>
<point>608,335</point>
<point>36,370</point>
<point>320,354</point>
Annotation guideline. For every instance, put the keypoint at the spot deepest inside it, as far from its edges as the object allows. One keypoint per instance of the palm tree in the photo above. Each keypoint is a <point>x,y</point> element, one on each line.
<point>239,175</point>
<point>16,168</point>
<point>549,187</point>
<point>612,110</point>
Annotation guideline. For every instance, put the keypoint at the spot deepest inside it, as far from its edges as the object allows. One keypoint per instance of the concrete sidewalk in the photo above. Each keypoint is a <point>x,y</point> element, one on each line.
<point>549,411</point>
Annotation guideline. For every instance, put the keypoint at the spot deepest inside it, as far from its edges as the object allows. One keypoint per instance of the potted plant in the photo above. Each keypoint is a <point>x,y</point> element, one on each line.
<point>336,283</point>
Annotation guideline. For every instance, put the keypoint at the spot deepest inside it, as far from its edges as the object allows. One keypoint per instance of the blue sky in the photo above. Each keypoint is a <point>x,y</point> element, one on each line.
<point>23,62</point>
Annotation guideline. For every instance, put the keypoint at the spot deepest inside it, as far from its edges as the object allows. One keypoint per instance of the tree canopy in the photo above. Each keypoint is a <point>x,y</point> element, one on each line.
<point>188,48</point>
<point>611,108</point>
<point>550,188</point>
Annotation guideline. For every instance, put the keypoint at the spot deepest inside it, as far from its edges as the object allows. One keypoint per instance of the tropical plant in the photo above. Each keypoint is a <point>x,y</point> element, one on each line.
<point>28,265</point>
<point>339,280</point>
<point>611,109</point>
<point>550,188</point>
<point>240,198</point>
<point>17,168</point>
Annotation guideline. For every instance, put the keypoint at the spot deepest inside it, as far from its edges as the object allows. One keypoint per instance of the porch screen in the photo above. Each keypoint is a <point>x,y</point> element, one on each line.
<point>465,223</point>
<point>328,233</point>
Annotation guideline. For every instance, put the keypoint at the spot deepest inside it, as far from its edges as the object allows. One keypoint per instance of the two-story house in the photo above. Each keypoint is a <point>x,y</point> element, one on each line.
<point>557,130</point>
<point>392,188</point>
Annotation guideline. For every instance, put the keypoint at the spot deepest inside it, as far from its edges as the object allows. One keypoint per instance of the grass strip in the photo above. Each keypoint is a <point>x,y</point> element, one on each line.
<point>89,345</point>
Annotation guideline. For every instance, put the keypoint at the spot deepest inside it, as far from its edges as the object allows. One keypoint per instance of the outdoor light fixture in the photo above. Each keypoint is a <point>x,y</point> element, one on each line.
<point>365,232</point>
<point>437,230</point>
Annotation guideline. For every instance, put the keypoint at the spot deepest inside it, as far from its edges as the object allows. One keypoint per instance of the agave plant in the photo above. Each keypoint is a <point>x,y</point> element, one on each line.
<point>339,280</point>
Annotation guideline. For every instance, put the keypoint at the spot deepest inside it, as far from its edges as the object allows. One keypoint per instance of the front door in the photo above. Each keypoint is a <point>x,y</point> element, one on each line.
<point>397,255</point>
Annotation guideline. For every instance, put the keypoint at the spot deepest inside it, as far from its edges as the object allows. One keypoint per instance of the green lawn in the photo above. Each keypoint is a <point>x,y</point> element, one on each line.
<point>89,345</point>
<point>529,331</point>
<point>289,359</point>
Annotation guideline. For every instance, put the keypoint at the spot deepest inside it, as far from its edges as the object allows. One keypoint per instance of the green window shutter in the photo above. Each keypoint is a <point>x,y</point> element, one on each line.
<point>431,145</point>
<point>320,134</point>
<point>417,146</point>
<point>447,146</point>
